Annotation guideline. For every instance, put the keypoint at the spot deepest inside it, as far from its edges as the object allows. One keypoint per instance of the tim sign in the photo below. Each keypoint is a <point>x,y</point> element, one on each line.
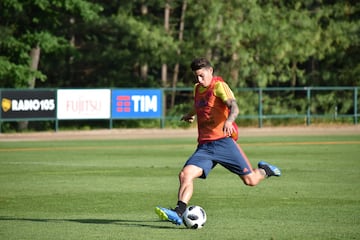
<point>141,103</point>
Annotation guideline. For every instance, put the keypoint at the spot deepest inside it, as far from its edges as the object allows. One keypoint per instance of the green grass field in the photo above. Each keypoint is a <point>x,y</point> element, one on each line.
<point>107,189</point>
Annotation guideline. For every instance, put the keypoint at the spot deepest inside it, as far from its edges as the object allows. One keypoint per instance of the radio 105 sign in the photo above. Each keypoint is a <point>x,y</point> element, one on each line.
<point>129,103</point>
<point>17,104</point>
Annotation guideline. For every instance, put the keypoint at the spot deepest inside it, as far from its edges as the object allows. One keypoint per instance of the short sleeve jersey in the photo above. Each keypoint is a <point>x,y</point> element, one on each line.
<point>211,109</point>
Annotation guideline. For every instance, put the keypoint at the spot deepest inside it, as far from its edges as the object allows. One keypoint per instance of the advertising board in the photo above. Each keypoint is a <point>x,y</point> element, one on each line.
<point>21,104</point>
<point>136,103</point>
<point>83,104</point>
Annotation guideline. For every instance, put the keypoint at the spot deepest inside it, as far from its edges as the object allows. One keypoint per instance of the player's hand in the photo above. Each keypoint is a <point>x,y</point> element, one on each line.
<point>228,128</point>
<point>188,118</point>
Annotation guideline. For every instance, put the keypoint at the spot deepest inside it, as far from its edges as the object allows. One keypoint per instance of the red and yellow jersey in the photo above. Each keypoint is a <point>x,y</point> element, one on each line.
<point>211,110</point>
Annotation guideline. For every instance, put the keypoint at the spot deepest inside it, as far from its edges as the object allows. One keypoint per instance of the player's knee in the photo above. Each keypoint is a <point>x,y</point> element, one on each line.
<point>189,173</point>
<point>184,176</point>
<point>181,175</point>
<point>249,181</point>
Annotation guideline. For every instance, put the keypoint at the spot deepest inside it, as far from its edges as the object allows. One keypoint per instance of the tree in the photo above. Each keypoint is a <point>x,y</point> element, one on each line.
<point>267,43</point>
<point>30,27</point>
<point>97,43</point>
<point>180,40</point>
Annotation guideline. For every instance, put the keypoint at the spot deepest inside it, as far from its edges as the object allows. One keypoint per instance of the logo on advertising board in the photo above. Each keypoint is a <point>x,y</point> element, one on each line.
<point>83,104</point>
<point>129,103</point>
<point>28,104</point>
<point>5,104</point>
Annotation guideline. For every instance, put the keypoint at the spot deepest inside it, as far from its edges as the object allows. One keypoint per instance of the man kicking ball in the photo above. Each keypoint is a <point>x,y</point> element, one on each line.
<point>215,109</point>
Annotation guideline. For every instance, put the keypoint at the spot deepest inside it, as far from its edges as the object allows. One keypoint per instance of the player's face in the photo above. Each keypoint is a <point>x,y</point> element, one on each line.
<point>204,76</point>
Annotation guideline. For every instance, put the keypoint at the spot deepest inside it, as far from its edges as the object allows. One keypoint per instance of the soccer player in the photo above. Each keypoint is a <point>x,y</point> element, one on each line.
<point>215,109</point>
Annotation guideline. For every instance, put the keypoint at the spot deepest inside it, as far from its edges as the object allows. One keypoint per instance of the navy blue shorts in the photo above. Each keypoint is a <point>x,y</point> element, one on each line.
<point>225,152</point>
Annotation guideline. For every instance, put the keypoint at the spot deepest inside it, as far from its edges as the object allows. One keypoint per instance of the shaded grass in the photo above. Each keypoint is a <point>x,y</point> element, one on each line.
<point>108,190</point>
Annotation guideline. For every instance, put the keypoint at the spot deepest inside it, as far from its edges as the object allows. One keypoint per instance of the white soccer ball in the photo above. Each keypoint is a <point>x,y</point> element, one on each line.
<point>194,217</point>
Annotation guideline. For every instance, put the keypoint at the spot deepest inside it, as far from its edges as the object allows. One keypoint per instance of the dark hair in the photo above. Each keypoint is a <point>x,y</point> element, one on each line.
<point>199,63</point>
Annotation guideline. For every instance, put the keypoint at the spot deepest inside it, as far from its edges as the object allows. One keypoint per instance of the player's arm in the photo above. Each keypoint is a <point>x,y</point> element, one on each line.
<point>190,116</point>
<point>233,113</point>
<point>234,109</point>
<point>223,91</point>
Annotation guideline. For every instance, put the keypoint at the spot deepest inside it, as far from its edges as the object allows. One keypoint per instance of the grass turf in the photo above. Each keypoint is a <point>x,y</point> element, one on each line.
<point>108,190</point>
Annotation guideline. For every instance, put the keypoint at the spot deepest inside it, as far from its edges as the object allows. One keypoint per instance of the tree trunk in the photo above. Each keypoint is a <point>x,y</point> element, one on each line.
<point>293,73</point>
<point>144,71</point>
<point>181,37</point>
<point>144,68</point>
<point>35,58</point>
<point>164,75</point>
<point>166,27</point>
<point>234,72</point>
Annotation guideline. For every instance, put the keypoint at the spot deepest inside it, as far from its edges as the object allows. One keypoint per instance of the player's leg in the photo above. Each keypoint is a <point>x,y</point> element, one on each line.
<point>263,171</point>
<point>196,166</point>
<point>253,178</point>
<point>234,159</point>
<point>186,179</point>
<point>256,175</point>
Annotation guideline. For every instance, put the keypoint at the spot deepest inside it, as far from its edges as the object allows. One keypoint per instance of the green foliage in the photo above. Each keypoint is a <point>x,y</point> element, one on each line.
<point>16,76</point>
<point>173,116</point>
<point>266,43</point>
<point>123,44</point>
<point>43,24</point>
<point>153,45</point>
<point>252,44</point>
<point>332,103</point>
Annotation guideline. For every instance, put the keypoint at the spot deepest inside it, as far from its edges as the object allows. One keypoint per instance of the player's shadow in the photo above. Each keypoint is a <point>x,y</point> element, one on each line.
<point>122,222</point>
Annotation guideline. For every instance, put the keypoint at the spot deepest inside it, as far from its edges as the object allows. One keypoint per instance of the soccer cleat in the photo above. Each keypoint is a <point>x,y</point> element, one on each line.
<point>269,169</point>
<point>168,215</point>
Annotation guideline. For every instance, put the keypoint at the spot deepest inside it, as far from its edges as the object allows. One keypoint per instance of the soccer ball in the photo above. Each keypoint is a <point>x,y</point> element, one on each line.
<point>194,217</point>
